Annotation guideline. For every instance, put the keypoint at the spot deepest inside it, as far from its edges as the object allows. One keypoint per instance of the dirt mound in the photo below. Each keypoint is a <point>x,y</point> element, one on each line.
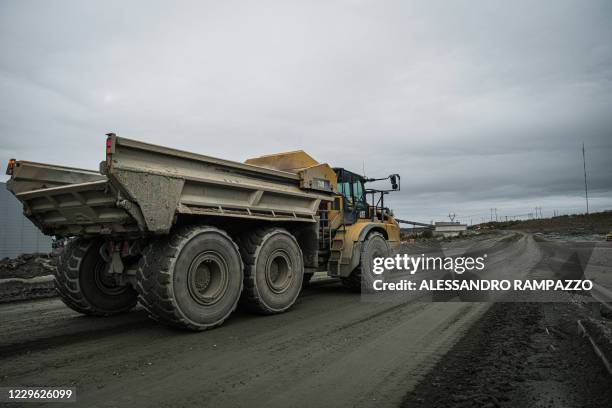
<point>576,224</point>
<point>28,266</point>
<point>28,276</point>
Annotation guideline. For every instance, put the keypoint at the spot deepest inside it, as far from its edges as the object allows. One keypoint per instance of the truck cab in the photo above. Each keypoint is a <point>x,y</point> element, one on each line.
<point>351,188</point>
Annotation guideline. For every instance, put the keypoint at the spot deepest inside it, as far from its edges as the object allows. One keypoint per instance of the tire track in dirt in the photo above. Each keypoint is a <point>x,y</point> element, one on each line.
<point>332,348</point>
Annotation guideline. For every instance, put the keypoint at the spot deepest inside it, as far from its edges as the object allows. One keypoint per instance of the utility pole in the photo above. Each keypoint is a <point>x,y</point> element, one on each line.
<point>538,212</point>
<point>495,214</point>
<point>586,191</point>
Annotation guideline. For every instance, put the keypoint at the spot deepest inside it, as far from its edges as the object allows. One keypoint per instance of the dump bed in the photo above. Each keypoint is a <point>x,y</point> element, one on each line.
<point>142,188</point>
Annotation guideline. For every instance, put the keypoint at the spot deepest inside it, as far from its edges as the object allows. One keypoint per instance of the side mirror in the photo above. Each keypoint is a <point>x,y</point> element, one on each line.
<point>394,181</point>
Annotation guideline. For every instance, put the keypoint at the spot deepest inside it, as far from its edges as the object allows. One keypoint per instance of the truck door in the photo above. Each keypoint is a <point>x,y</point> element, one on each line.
<point>351,187</point>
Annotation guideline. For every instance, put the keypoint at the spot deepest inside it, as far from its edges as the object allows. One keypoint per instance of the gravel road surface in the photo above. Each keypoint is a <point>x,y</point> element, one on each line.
<point>331,349</point>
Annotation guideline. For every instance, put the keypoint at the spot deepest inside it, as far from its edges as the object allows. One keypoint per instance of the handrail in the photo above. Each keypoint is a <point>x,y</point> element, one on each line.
<point>330,222</point>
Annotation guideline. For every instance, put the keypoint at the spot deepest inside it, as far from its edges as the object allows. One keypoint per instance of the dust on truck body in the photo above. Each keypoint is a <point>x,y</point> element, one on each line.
<point>191,236</point>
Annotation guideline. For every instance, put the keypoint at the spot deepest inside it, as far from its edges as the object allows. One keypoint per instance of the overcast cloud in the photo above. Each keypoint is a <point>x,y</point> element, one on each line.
<point>477,104</point>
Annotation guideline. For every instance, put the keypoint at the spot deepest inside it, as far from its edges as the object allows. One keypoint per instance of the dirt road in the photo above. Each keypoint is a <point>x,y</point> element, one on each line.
<point>331,350</point>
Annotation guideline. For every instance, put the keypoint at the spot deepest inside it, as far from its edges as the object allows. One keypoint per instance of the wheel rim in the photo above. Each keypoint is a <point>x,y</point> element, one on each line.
<point>279,271</point>
<point>104,281</point>
<point>207,278</point>
<point>379,253</point>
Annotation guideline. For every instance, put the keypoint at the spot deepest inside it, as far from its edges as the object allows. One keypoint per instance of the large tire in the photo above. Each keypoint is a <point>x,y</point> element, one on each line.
<point>191,279</point>
<point>82,284</point>
<point>362,278</point>
<point>273,270</point>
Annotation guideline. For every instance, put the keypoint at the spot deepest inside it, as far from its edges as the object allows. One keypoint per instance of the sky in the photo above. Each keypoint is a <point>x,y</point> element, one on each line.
<point>476,104</point>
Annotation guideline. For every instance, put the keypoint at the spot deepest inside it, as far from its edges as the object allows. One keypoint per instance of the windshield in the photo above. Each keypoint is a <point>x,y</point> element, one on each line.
<point>350,185</point>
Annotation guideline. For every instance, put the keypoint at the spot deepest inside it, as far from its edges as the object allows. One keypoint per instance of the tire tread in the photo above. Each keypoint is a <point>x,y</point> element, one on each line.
<point>250,244</point>
<point>66,279</point>
<point>154,278</point>
<point>354,282</point>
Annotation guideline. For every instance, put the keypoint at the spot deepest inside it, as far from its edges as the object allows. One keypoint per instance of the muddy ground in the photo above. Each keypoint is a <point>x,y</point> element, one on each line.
<point>519,355</point>
<point>331,349</point>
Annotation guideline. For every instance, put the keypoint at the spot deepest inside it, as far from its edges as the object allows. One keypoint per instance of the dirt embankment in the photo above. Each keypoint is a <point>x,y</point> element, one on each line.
<point>518,354</point>
<point>28,266</point>
<point>28,276</point>
<point>576,224</point>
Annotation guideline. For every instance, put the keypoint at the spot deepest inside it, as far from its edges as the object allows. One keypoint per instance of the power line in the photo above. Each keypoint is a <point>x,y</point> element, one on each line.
<point>493,212</point>
<point>538,212</point>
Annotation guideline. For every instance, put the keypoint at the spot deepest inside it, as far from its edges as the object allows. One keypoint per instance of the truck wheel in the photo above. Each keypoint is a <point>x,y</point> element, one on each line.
<point>362,278</point>
<point>83,285</point>
<point>190,279</point>
<point>273,270</point>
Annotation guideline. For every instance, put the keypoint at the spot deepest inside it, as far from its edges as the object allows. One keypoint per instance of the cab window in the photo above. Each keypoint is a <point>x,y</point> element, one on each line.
<point>345,190</point>
<point>358,191</point>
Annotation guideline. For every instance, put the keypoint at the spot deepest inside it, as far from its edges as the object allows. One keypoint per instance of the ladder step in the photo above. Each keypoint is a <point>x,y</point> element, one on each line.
<point>337,245</point>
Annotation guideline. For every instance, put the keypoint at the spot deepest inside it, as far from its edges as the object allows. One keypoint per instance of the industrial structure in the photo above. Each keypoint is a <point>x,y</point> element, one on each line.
<point>17,234</point>
<point>449,229</point>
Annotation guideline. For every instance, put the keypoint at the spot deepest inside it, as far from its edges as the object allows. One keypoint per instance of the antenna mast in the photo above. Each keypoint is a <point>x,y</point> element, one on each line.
<point>586,191</point>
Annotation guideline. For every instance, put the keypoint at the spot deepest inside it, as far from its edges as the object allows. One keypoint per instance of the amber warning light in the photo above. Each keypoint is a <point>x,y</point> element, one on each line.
<point>10,167</point>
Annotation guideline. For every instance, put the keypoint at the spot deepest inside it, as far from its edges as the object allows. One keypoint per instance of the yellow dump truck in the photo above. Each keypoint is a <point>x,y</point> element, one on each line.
<point>191,236</point>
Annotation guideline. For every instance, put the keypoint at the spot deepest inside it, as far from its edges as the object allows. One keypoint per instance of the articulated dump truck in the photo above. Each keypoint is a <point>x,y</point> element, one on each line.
<point>190,236</point>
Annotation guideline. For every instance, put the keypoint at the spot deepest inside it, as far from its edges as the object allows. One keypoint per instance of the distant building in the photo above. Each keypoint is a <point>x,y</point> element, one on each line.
<point>449,229</point>
<point>17,234</point>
